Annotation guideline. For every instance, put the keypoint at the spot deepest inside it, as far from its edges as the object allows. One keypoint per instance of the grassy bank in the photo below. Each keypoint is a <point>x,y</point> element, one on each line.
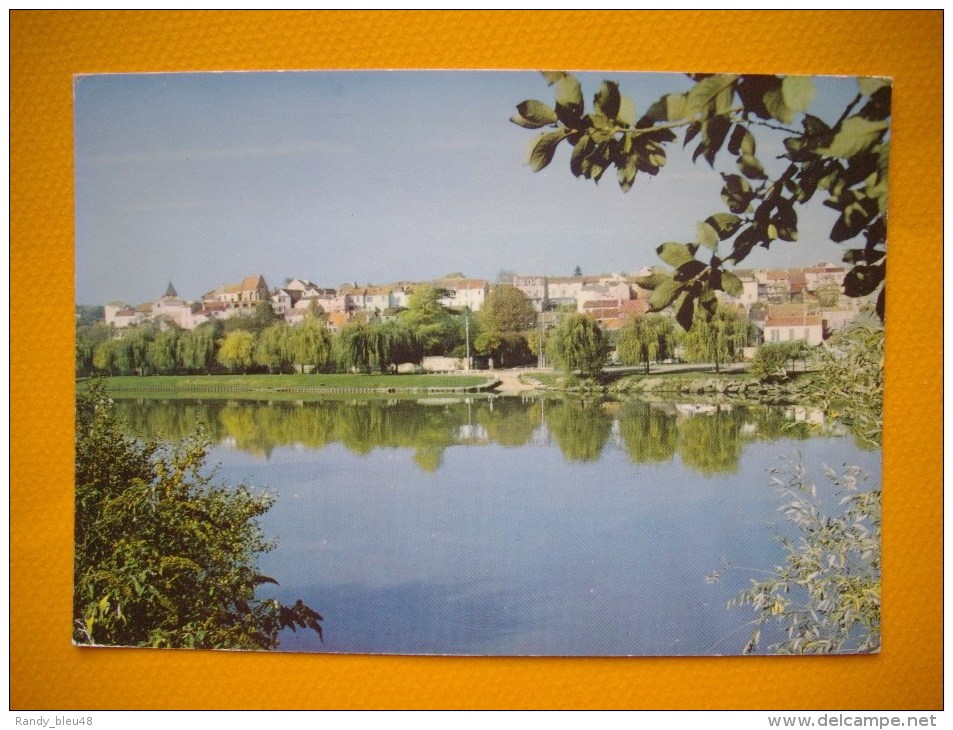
<point>292,383</point>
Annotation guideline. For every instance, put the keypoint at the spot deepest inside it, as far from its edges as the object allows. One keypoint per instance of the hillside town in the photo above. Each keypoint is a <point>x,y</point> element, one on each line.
<point>785,304</point>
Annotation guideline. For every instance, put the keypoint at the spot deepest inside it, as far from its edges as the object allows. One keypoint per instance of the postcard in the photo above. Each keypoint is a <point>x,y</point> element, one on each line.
<point>480,363</point>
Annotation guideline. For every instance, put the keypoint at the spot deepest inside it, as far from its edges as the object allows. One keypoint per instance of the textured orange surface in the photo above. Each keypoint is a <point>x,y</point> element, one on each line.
<point>47,48</point>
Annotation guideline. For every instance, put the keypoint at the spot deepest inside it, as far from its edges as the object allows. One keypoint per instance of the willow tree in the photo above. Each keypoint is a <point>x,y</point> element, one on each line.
<point>237,351</point>
<point>646,339</point>
<point>579,343</point>
<point>843,160</point>
<point>196,348</point>
<point>273,348</point>
<point>355,347</point>
<point>717,338</point>
<point>310,344</point>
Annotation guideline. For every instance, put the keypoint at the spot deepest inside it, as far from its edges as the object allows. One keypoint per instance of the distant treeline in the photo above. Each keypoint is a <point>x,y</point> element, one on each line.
<point>265,343</point>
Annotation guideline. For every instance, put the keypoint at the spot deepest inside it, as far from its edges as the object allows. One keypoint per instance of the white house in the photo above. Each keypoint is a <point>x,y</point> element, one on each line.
<point>785,326</point>
<point>462,293</point>
<point>535,288</point>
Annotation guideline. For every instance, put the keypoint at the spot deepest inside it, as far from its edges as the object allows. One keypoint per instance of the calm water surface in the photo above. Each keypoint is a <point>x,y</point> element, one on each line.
<point>504,526</point>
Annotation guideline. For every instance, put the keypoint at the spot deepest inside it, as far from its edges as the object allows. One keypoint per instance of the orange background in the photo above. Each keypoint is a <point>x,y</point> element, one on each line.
<point>47,48</point>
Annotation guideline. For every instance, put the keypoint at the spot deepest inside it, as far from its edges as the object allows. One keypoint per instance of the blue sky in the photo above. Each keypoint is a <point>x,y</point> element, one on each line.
<point>368,177</point>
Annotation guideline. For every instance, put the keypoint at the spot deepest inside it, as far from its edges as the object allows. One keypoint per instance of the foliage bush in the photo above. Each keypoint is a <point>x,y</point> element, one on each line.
<point>165,557</point>
<point>849,384</point>
<point>826,594</point>
<point>770,361</point>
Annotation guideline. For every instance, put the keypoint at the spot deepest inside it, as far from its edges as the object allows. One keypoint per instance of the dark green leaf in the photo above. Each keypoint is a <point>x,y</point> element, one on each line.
<point>869,85</point>
<point>774,103</point>
<point>693,129</point>
<point>814,127</point>
<point>675,254</point>
<point>607,100</point>
<point>862,255</point>
<point>543,148</point>
<point>706,235</point>
<point>579,152</point>
<point>569,103</point>
<point>724,224</point>
<point>664,293</point>
<point>700,101</point>
<point>685,312</point>
<point>736,193</point>
<point>878,107</point>
<point>731,284</point>
<point>627,172</point>
<point>797,148</point>
<point>855,135</point>
<point>751,168</point>
<point>876,233</point>
<point>744,243</point>
<point>741,142</point>
<point>626,114</point>
<point>708,302</point>
<point>689,270</point>
<point>536,112</point>
<point>853,220</point>
<point>752,90</point>
<point>786,219</point>
<point>863,280</point>
<point>669,108</point>
<point>653,280</point>
<point>797,92</point>
<point>716,132</point>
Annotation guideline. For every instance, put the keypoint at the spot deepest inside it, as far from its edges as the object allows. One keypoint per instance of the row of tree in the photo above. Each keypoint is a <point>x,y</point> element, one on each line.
<point>264,342</point>
<point>503,330</point>
<point>579,344</point>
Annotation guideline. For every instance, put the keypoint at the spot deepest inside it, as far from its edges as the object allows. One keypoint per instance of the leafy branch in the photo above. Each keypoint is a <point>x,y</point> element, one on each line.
<point>826,594</point>
<point>847,160</point>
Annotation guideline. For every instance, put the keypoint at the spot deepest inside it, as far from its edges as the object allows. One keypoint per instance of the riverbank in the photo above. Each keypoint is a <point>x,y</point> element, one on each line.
<point>719,384</point>
<point>679,383</point>
<point>264,384</point>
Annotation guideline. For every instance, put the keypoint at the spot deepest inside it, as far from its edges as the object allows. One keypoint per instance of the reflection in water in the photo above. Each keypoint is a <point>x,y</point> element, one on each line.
<point>580,428</point>
<point>650,434</point>
<point>710,443</point>
<point>708,439</point>
<point>505,526</point>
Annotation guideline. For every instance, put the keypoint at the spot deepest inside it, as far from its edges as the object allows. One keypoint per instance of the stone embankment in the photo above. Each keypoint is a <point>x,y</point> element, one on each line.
<point>738,387</point>
<point>486,386</point>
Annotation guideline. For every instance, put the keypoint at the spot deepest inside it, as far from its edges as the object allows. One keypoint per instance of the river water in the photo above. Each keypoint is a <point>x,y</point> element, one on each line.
<point>508,526</point>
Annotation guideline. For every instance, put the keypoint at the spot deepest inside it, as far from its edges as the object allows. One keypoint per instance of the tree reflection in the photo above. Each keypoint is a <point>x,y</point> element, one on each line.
<point>510,422</point>
<point>649,434</point>
<point>709,439</point>
<point>710,442</point>
<point>581,428</point>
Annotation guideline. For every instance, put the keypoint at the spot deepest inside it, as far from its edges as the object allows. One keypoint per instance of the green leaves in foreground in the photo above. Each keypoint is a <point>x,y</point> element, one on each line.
<point>825,596</point>
<point>163,556</point>
<point>693,281</point>
<point>846,160</point>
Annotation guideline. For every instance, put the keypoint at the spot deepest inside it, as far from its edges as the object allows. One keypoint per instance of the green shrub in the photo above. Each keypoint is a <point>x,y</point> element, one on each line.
<point>164,557</point>
<point>826,594</point>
